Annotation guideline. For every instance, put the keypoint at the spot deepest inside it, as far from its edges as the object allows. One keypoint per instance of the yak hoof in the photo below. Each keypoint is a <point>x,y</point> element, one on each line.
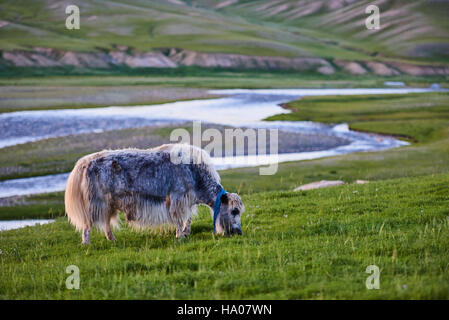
<point>110,236</point>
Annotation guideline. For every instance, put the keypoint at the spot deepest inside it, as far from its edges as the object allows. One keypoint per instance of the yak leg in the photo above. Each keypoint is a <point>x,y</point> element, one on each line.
<point>179,228</point>
<point>186,228</point>
<point>112,216</point>
<point>107,227</point>
<point>86,235</point>
<point>179,233</point>
<point>108,232</point>
<point>176,208</point>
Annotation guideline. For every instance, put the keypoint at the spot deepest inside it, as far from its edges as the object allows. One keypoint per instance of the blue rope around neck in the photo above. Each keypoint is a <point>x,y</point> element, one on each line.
<point>217,205</point>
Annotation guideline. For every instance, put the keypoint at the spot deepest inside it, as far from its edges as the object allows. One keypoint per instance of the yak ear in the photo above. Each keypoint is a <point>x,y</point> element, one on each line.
<point>224,198</point>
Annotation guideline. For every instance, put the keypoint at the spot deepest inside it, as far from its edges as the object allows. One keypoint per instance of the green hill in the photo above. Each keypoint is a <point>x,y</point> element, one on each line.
<point>329,29</point>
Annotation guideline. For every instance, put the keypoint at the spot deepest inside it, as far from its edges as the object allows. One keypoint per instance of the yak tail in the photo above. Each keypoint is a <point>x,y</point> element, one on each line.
<point>75,197</point>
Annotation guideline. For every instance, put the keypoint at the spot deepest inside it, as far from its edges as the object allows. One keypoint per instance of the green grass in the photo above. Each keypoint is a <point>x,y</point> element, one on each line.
<point>40,206</point>
<point>307,245</point>
<point>296,245</point>
<point>196,77</point>
<point>417,116</point>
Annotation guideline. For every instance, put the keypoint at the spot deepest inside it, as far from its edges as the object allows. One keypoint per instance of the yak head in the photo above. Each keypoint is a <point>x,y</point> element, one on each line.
<point>228,220</point>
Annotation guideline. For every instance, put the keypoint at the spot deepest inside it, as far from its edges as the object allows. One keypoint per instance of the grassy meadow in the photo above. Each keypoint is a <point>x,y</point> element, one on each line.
<point>295,245</point>
<point>309,245</point>
<point>312,244</point>
<point>196,77</point>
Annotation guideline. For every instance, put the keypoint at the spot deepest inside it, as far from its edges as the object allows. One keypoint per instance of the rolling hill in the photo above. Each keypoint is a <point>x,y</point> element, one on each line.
<point>330,35</point>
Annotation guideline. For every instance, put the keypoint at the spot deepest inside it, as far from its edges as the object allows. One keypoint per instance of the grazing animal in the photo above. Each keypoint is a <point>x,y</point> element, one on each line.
<point>151,187</point>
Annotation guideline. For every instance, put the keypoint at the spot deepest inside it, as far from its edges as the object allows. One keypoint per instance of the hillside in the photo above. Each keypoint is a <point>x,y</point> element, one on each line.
<point>409,29</point>
<point>321,36</point>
